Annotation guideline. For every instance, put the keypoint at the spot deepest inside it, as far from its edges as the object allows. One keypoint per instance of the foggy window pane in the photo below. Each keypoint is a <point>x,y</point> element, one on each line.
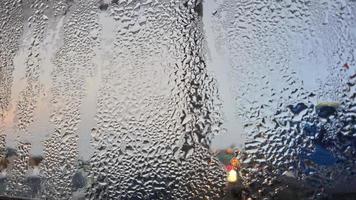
<point>177,99</point>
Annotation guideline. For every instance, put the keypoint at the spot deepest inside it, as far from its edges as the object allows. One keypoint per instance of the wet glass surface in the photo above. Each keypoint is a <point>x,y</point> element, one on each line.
<point>292,78</point>
<point>177,99</point>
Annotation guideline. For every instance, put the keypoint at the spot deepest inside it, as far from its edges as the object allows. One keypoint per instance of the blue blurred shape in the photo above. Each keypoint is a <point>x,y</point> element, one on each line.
<point>322,156</point>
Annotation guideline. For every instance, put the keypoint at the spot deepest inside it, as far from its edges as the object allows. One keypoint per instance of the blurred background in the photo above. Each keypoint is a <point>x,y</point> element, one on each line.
<point>172,99</point>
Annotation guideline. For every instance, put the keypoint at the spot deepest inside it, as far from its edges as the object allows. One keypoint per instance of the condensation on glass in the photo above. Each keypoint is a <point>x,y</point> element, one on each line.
<point>131,99</point>
<point>291,74</point>
<point>106,99</point>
